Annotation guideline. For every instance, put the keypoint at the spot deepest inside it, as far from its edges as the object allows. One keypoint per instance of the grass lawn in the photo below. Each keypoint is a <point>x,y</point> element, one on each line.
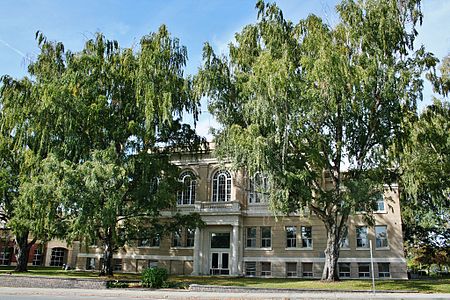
<point>418,285</point>
<point>59,272</point>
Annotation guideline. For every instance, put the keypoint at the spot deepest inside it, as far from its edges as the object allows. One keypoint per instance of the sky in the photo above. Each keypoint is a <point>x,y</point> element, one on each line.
<point>193,21</point>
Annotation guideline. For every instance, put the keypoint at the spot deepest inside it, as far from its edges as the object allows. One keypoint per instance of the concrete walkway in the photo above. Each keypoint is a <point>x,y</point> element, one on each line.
<point>112,294</point>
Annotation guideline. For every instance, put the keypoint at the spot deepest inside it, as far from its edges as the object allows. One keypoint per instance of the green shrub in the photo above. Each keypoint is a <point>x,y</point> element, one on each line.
<point>154,278</point>
<point>117,284</point>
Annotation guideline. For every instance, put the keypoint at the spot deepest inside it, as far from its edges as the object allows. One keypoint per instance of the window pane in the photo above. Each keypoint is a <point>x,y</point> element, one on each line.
<point>307,269</point>
<point>5,256</point>
<point>37,257</point>
<point>291,237</point>
<point>364,270</point>
<point>187,194</point>
<point>381,236</point>
<point>266,237</point>
<point>344,269</point>
<point>383,270</point>
<point>291,269</point>
<point>221,186</point>
<point>90,263</point>
<point>266,269</point>
<point>379,204</point>
<point>258,188</point>
<point>57,257</point>
<point>306,237</point>
<point>361,237</point>
<point>225,260</point>
<point>220,240</point>
<point>176,239</point>
<point>250,268</point>
<point>190,237</point>
<point>251,237</point>
<point>344,240</point>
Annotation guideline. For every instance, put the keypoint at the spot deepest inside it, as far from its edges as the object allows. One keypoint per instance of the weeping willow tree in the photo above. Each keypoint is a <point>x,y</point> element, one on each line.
<point>425,165</point>
<point>301,101</point>
<point>100,125</point>
<point>28,216</point>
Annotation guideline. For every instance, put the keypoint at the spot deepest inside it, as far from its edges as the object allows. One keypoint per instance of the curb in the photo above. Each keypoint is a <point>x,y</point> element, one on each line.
<point>238,289</point>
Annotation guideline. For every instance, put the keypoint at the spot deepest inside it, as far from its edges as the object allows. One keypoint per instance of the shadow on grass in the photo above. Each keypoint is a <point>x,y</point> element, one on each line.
<point>424,286</point>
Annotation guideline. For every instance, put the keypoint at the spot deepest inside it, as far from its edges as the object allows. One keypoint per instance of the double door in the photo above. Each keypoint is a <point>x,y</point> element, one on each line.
<point>220,263</point>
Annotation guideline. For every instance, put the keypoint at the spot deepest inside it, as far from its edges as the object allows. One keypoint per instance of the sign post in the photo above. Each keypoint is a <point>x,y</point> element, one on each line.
<point>371,266</point>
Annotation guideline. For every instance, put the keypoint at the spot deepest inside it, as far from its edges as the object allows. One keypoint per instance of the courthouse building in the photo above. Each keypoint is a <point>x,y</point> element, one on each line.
<point>243,237</point>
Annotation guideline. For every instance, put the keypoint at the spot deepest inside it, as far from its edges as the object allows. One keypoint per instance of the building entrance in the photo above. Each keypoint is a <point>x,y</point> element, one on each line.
<point>220,253</point>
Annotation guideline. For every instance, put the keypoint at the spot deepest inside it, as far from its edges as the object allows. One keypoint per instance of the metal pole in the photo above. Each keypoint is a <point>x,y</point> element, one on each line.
<point>371,267</point>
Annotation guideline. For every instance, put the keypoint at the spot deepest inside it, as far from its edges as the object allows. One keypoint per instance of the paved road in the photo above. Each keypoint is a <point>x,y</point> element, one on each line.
<point>76,294</point>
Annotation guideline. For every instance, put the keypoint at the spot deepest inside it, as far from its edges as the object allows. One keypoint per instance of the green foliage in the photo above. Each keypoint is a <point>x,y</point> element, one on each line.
<point>154,278</point>
<point>301,101</point>
<point>425,165</point>
<point>98,126</point>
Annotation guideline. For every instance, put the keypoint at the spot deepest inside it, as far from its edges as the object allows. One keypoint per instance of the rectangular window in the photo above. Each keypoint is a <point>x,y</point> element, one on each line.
<point>344,240</point>
<point>381,236</point>
<point>379,203</point>
<point>364,270</point>
<point>176,239</point>
<point>37,256</point>
<point>362,240</point>
<point>252,195</point>
<point>117,264</point>
<point>266,237</point>
<point>5,256</point>
<point>307,241</point>
<point>250,268</point>
<point>152,242</point>
<point>220,240</point>
<point>344,270</point>
<point>383,270</point>
<point>190,237</point>
<point>307,270</point>
<point>90,263</point>
<point>291,237</point>
<point>251,237</point>
<point>152,264</point>
<point>291,269</point>
<point>155,241</point>
<point>266,268</point>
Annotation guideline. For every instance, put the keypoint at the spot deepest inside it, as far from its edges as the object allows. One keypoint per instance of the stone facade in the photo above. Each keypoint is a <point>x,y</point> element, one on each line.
<point>243,237</point>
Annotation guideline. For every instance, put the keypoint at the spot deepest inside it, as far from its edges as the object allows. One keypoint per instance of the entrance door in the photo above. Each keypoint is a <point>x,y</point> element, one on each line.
<point>220,263</point>
<point>220,253</point>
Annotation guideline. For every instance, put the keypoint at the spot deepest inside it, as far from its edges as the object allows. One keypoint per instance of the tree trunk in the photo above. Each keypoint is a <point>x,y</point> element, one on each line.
<point>107,267</point>
<point>330,270</point>
<point>22,251</point>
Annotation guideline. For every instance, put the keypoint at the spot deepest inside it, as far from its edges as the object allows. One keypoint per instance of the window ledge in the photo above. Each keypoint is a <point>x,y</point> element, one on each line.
<point>148,247</point>
<point>383,248</point>
<point>181,248</point>
<point>363,249</point>
<point>380,212</point>
<point>299,249</point>
<point>258,249</point>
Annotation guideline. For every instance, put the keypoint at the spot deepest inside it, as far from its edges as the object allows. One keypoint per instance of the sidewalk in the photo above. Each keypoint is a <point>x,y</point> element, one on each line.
<point>112,294</point>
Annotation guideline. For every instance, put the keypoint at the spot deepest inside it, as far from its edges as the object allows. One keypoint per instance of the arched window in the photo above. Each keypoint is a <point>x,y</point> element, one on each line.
<point>187,194</point>
<point>258,188</point>
<point>221,186</point>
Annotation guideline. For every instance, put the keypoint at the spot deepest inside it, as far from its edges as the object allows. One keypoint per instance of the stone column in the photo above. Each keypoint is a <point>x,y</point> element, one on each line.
<point>235,250</point>
<point>197,253</point>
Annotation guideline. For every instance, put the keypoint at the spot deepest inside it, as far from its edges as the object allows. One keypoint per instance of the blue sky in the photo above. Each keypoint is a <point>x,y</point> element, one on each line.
<point>194,22</point>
